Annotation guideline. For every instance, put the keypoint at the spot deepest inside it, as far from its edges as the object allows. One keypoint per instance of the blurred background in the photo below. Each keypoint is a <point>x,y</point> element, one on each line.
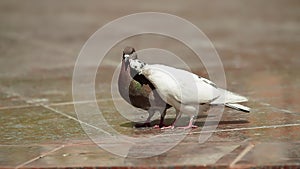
<point>43,38</point>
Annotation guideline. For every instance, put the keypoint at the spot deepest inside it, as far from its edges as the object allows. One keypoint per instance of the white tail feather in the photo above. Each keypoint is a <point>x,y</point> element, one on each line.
<point>238,107</point>
<point>231,99</point>
<point>228,97</point>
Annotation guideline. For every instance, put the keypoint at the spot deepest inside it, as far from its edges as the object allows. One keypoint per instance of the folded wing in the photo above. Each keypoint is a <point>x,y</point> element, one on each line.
<point>184,86</point>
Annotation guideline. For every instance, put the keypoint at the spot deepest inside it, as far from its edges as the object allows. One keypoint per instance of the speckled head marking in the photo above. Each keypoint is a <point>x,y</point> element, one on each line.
<point>137,65</point>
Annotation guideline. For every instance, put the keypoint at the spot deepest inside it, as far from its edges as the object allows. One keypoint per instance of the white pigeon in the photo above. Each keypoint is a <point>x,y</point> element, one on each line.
<point>186,91</point>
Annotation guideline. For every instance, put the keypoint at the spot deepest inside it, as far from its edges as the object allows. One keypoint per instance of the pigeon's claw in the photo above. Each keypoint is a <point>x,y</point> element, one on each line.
<point>159,126</point>
<point>168,127</point>
<point>156,126</point>
<point>188,127</point>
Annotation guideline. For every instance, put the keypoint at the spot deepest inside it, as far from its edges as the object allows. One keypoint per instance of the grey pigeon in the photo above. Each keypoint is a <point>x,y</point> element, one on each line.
<point>184,90</point>
<point>139,91</point>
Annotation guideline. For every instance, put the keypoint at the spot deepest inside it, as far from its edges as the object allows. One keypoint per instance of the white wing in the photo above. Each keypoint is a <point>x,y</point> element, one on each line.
<point>183,86</point>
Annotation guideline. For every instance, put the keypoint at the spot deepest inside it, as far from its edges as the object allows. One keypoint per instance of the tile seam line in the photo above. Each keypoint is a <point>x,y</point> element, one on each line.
<point>73,118</point>
<point>102,100</point>
<point>240,129</point>
<point>81,122</point>
<point>39,156</point>
<point>241,155</point>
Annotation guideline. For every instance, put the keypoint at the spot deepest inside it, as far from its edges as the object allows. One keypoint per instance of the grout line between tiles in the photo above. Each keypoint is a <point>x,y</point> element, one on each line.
<point>47,106</point>
<point>240,129</point>
<point>109,99</point>
<point>73,118</point>
<point>241,155</point>
<point>40,156</point>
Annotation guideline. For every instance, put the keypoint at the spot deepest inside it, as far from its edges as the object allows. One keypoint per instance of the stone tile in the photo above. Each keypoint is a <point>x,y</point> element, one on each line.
<point>91,155</point>
<point>122,120</point>
<point>260,115</point>
<point>272,154</point>
<point>78,156</point>
<point>234,125</point>
<point>41,90</point>
<point>37,125</point>
<point>229,158</point>
<point>12,156</point>
<point>277,134</point>
<point>10,100</point>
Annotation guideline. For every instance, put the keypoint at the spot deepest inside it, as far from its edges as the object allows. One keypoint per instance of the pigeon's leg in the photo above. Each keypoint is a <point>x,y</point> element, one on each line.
<point>162,118</point>
<point>190,125</point>
<point>172,126</point>
<point>147,122</point>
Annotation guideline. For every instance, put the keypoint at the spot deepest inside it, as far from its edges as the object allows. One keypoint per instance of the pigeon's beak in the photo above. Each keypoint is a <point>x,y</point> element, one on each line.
<point>126,61</point>
<point>126,58</point>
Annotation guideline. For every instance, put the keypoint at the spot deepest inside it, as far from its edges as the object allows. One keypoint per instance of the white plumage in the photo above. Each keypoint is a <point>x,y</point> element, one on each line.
<point>184,90</point>
<point>185,87</point>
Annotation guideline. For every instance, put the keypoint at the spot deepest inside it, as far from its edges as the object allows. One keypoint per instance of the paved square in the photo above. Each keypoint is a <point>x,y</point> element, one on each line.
<point>258,43</point>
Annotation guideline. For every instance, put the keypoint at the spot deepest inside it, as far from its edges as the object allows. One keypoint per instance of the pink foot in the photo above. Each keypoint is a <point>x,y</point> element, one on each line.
<point>156,126</point>
<point>188,127</point>
<point>168,127</point>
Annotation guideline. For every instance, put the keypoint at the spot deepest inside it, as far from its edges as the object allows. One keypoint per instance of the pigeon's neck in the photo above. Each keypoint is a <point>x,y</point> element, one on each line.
<point>124,81</point>
<point>137,66</point>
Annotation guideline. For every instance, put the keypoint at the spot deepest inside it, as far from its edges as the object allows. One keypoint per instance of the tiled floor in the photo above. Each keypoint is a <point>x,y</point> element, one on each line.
<point>258,43</point>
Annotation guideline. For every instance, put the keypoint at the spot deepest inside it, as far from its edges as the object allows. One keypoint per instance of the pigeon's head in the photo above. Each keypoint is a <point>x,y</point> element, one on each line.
<point>129,53</point>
